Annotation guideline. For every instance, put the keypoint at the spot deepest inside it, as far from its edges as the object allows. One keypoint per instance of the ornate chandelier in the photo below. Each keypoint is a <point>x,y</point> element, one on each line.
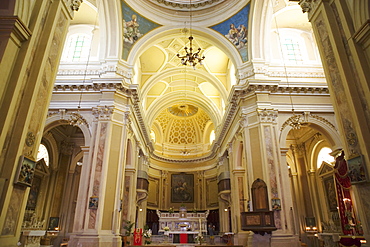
<point>191,58</point>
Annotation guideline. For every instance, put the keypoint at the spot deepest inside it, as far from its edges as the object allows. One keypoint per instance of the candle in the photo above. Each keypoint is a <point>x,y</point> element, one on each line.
<point>200,225</point>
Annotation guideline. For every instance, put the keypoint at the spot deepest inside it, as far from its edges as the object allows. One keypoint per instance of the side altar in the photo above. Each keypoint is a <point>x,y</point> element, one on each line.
<point>183,226</point>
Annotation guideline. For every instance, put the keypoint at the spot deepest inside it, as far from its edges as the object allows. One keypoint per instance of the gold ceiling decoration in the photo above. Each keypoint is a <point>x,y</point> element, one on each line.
<point>183,110</point>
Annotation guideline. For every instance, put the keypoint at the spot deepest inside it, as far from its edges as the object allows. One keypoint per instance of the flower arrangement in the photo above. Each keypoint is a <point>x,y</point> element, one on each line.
<point>166,228</point>
<point>147,234</point>
<point>171,210</point>
<point>199,238</point>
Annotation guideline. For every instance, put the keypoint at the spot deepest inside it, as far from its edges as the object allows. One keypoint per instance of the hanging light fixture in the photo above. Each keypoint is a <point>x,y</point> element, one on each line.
<point>191,58</point>
<point>295,121</point>
<point>76,118</point>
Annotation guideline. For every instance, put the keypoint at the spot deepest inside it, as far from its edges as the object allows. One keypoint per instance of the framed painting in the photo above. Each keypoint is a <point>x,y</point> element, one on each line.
<point>93,202</point>
<point>276,204</point>
<point>182,188</point>
<point>26,171</point>
<point>331,194</point>
<point>53,224</point>
<point>356,169</point>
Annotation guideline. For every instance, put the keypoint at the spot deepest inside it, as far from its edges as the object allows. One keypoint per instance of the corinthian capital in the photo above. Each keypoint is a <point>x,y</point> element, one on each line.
<point>309,6</point>
<point>103,112</point>
<point>243,120</point>
<point>306,5</point>
<point>267,115</point>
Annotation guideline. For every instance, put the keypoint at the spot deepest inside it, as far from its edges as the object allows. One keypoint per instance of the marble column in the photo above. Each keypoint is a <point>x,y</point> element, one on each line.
<point>102,179</point>
<point>264,162</point>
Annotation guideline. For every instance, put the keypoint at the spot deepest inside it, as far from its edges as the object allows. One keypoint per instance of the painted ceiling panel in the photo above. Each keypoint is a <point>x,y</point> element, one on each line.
<point>144,79</point>
<point>152,59</point>
<point>86,15</point>
<point>208,89</point>
<point>216,60</point>
<point>157,89</point>
<point>149,101</point>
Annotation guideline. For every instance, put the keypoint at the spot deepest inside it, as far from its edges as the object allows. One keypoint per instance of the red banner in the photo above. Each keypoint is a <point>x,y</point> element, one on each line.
<point>138,236</point>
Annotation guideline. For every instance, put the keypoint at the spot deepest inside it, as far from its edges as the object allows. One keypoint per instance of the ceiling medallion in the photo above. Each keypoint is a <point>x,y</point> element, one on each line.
<point>183,110</point>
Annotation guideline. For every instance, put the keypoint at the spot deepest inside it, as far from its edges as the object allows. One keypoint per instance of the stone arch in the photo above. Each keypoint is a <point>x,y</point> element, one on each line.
<point>203,34</point>
<point>361,13</point>
<point>61,119</point>
<point>320,124</point>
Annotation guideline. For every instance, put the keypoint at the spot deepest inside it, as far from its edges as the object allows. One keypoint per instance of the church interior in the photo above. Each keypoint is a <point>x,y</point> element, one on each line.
<point>184,123</point>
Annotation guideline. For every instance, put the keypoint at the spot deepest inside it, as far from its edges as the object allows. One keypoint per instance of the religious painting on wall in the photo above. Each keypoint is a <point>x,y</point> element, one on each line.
<point>53,223</point>
<point>26,171</point>
<point>34,193</point>
<point>356,169</point>
<point>134,26</point>
<point>235,29</point>
<point>182,188</point>
<point>330,193</point>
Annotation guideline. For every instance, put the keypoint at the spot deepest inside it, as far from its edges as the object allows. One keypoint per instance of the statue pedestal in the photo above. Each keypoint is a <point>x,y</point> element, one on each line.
<point>31,238</point>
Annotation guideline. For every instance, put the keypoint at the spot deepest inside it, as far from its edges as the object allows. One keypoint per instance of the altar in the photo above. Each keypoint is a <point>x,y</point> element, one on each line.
<point>183,237</point>
<point>182,226</point>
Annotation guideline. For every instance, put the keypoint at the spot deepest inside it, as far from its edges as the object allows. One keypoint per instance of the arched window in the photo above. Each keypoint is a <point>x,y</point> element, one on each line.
<point>77,48</point>
<point>43,154</point>
<point>324,155</point>
<point>292,50</point>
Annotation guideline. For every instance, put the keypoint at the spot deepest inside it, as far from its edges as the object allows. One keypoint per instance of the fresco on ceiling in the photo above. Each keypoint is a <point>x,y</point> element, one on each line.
<point>134,27</point>
<point>235,29</point>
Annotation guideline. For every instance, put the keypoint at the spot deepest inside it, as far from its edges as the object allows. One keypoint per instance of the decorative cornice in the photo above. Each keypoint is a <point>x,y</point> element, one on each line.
<point>289,74</point>
<point>134,94</point>
<point>252,88</point>
<point>195,4</point>
<point>102,69</point>
<point>96,86</point>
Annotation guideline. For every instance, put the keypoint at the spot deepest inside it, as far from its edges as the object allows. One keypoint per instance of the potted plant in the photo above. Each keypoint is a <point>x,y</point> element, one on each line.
<point>147,235</point>
<point>128,232</point>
